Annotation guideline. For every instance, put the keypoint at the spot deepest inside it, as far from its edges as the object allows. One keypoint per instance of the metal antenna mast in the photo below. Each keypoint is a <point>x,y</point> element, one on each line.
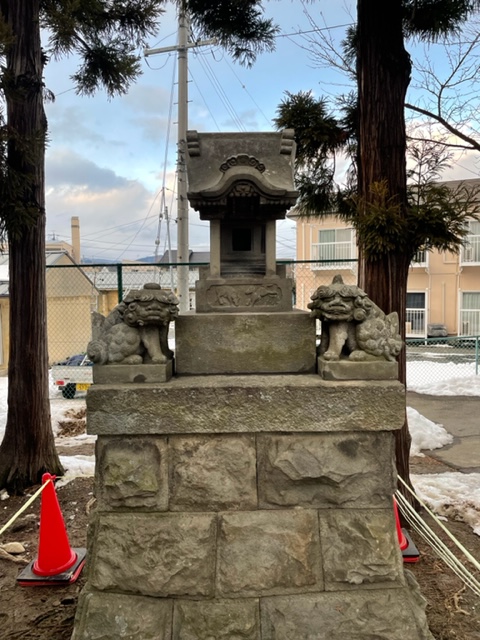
<point>182,202</point>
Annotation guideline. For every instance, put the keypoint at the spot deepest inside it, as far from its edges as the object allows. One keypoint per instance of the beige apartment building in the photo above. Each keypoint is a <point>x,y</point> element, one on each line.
<point>443,288</point>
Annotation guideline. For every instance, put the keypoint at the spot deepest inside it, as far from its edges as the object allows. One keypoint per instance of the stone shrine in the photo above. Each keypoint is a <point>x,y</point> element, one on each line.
<point>243,321</point>
<point>250,495</point>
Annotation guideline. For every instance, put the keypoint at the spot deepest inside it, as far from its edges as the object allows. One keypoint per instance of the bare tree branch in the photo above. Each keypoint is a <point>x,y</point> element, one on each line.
<point>474,144</point>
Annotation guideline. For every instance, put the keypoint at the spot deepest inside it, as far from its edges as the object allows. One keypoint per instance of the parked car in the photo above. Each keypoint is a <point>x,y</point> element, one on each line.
<point>72,374</point>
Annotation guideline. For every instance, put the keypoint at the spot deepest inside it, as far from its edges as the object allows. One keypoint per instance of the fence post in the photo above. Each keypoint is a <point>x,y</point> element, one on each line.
<point>119,282</point>
<point>476,355</point>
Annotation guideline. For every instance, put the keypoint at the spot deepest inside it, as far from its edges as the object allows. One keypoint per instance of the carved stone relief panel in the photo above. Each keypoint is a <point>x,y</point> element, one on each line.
<point>247,295</point>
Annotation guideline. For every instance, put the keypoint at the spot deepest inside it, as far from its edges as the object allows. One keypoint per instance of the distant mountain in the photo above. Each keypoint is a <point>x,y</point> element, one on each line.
<point>147,260</point>
<point>86,260</point>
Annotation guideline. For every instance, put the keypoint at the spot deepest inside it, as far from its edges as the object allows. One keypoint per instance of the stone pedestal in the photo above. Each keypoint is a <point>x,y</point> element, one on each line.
<point>136,373</point>
<point>256,507</point>
<point>242,343</point>
<point>348,370</point>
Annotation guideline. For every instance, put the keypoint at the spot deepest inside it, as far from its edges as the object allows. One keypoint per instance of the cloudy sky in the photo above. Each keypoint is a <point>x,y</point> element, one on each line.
<point>108,161</point>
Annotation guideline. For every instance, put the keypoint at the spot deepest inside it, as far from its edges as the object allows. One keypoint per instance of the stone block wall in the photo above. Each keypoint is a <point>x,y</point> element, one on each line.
<point>210,534</point>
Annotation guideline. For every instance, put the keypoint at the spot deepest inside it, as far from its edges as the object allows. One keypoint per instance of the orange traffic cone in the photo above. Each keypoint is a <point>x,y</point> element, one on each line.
<point>409,551</point>
<point>57,562</point>
<point>402,539</point>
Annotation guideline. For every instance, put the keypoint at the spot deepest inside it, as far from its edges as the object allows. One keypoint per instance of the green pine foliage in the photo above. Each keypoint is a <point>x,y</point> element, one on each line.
<point>318,136</point>
<point>238,25</point>
<point>435,19</point>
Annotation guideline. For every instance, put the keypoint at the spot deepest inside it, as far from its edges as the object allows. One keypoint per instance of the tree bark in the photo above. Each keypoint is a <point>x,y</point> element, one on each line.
<point>383,68</point>
<point>28,447</point>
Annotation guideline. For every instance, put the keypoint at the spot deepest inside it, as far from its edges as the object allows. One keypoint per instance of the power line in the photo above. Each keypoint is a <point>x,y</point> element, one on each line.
<point>118,226</point>
<point>210,73</point>
<point>141,227</point>
<point>163,208</point>
<point>157,68</point>
<point>203,98</point>
<point>247,92</point>
<point>316,30</point>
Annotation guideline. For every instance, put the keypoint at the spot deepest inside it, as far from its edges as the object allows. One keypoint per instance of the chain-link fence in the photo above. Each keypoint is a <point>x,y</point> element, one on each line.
<point>433,361</point>
<point>73,292</point>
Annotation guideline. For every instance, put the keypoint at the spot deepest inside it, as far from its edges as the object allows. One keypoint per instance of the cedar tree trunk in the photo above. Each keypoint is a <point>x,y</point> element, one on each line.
<point>383,78</point>
<point>28,448</point>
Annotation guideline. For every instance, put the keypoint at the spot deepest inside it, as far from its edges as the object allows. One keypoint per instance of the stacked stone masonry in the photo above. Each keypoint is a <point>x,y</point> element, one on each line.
<point>263,535</point>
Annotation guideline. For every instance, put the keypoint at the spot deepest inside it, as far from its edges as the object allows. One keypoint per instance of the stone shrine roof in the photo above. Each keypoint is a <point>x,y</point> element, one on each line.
<point>225,165</point>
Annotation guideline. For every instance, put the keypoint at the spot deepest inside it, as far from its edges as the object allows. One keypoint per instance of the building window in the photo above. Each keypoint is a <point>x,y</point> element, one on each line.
<point>333,246</point>
<point>471,249</point>
<point>415,315</point>
<point>470,314</point>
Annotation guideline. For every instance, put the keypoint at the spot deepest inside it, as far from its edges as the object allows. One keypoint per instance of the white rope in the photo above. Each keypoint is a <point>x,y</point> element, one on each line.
<point>440,548</point>
<point>465,551</point>
<point>25,506</point>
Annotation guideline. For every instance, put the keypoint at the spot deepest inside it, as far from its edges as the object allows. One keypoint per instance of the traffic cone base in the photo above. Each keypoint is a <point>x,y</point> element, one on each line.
<point>410,554</point>
<point>28,578</point>
<point>56,562</point>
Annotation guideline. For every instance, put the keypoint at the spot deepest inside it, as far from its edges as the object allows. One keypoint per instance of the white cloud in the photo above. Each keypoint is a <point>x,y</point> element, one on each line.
<point>119,217</point>
<point>66,167</point>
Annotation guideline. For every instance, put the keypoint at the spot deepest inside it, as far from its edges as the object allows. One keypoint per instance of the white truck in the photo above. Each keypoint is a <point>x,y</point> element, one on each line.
<point>72,375</point>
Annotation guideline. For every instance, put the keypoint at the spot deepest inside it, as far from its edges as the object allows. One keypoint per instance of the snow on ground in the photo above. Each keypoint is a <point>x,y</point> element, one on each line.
<point>61,410</point>
<point>425,433</point>
<point>76,467</point>
<point>454,495</point>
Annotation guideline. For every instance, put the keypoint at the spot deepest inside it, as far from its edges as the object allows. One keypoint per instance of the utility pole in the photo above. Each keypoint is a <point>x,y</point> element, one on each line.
<point>182,201</point>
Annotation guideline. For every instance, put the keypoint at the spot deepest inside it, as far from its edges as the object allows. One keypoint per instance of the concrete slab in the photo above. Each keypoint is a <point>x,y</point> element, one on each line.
<point>351,370</point>
<point>134,373</point>
<point>460,416</point>
<point>463,454</point>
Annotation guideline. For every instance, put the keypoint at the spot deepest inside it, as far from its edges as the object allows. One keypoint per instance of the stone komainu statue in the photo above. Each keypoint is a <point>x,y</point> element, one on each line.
<point>136,331</point>
<point>352,325</point>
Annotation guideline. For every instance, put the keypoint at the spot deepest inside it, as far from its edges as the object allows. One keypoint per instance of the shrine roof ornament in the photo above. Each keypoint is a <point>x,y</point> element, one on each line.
<point>242,159</point>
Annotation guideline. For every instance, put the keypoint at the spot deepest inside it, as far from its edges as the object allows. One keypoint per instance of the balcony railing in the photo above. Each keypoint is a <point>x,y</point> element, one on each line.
<point>471,251</point>
<point>470,322</point>
<point>419,259</point>
<point>415,323</point>
<point>329,253</point>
